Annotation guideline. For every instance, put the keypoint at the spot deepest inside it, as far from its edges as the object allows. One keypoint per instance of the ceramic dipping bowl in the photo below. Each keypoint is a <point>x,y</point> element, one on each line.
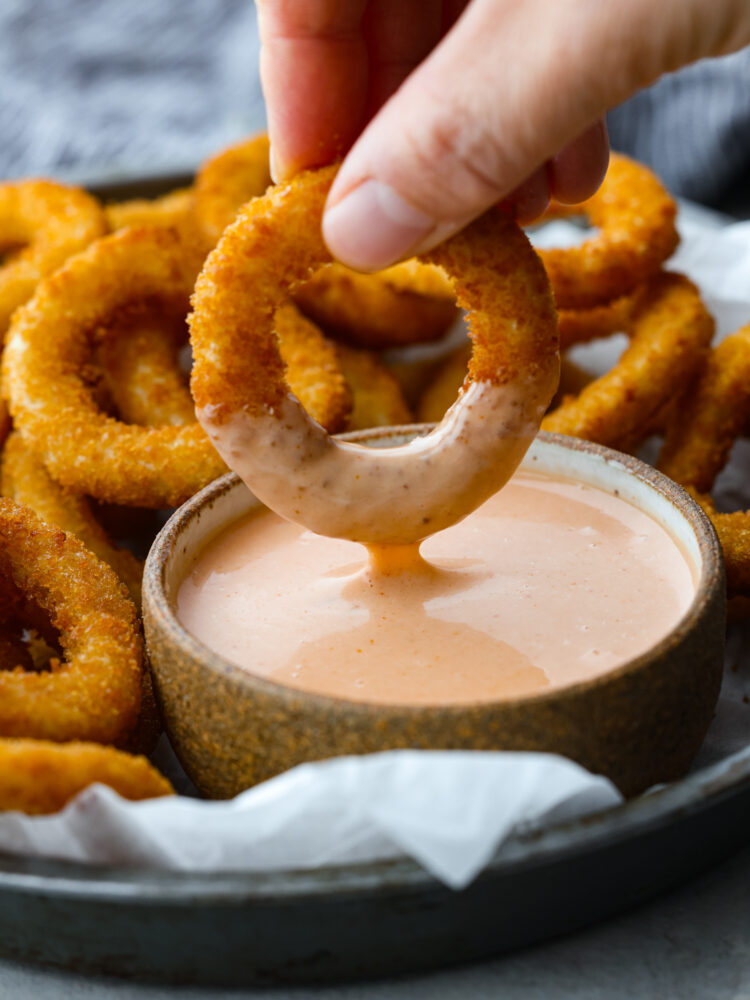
<point>638,724</point>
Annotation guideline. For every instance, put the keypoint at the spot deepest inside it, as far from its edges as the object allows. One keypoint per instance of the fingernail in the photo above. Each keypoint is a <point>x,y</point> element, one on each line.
<point>272,165</point>
<point>373,227</point>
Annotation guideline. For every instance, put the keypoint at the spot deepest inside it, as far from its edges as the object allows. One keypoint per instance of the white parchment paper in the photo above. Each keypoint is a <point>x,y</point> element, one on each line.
<point>448,810</point>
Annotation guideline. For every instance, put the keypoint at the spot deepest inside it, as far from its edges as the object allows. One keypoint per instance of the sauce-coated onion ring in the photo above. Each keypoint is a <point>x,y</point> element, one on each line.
<point>636,216</point>
<point>24,479</point>
<point>670,335</point>
<point>388,496</point>
<point>42,224</point>
<point>96,693</point>
<point>39,777</point>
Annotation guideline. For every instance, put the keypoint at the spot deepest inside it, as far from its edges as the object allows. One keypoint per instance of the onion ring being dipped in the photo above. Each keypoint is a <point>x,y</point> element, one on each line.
<point>636,216</point>
<point>95,694</point>
<point>39,777</point>
<point>378,495</point>
<point>42,223</point>
<point>670,336</point>
<point>24,479</point>
<point>366,310</point>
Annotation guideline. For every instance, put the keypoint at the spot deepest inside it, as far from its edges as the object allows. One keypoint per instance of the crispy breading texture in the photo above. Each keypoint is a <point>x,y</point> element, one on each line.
<point>636,218</point>
<point>707,422</point>
<point>39,777</point>
<point>276,243</point>
<point>42,223</point>
<point>95,694</point>
<point>24,479</point>
<point>52,340</point>
<point>378,399</point>
<point>670,335</point>
<point>174,210</point>
<point>699,439</point>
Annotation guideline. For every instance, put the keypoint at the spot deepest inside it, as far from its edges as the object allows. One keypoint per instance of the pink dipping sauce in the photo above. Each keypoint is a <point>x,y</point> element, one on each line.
<point>548,583</point>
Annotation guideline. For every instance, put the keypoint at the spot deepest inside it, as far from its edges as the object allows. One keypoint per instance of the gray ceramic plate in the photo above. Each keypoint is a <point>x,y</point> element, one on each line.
<point>365,920</point>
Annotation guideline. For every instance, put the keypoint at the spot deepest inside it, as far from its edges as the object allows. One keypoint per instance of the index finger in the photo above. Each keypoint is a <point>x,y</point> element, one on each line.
<point>313,67</point>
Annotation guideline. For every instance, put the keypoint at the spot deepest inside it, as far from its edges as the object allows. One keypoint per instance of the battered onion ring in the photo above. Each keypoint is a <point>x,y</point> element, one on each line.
<point>670,335</point>
<point>579,326</point>
<point>636,216</point>
<point>42,223</point>
<point>96,694</point>
<point>139,359</point>
<point>4,421</point>
<point>699,440</point>
<point>338,488</point>
<point>175,210</point>
<point>229,179</point>
<point>707,422</point>
<point>367,310</point>
<point>378,399</point>
<point>24,479</point>
<point>51,341</point>
<point>39,777</point>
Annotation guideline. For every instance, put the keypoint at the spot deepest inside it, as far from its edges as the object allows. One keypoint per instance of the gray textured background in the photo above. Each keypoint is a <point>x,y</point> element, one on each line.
<point>137,86</point>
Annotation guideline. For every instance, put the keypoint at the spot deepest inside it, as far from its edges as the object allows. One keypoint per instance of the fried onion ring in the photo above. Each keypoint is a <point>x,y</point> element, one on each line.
<point>699,439</point>
<point>175,210</point>
<point>39,777</point>
<point>139,360</point>
<point>42,224</point>
<point>338,488</point>
<point>670,335</point>
<point>378,399</point>
<point>24,479</point>
<point>51,341</point>
<point>227,180</point>
<point>96,693</point>
<point>636,216</point>
<point>367,310</point>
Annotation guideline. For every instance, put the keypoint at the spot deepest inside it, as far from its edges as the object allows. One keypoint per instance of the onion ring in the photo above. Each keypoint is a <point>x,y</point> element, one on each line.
<point>39,777</point>
<point>51,341</point>
<point>670,335</point>
<point>700,438</point>
<point>636,216</point>
<point>139,360</point>
<point>227,180</point>
<point>175,210</point>
<point>43,223</point>
<point>366,310</point>
<point>378,399</point>
<point>24,479</point>
<point>698,442</point>
<point>96,694</point>
<point>338,488</point>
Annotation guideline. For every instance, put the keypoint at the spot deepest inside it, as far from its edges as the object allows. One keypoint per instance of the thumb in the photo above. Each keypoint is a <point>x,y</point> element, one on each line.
<point>511,95</point>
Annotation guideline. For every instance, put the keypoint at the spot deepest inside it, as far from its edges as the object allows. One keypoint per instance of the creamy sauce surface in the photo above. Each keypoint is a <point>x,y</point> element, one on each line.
<point>549,582</point>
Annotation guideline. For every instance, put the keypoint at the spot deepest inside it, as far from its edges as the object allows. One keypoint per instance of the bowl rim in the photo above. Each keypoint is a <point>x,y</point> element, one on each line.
<point>159,607</point>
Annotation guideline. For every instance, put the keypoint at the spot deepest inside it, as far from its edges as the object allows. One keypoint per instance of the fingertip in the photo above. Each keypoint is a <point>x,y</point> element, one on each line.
<point>530,200</point>
<point>577,171</point>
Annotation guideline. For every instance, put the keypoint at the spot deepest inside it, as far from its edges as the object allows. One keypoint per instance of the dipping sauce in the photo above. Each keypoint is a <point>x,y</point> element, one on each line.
<point>548,583</point>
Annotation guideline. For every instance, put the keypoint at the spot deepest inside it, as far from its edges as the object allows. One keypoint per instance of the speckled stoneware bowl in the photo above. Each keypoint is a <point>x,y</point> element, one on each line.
<point>639,724</point>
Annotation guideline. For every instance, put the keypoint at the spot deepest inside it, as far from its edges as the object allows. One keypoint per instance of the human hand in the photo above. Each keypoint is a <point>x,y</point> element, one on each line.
<point>446,108</point>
